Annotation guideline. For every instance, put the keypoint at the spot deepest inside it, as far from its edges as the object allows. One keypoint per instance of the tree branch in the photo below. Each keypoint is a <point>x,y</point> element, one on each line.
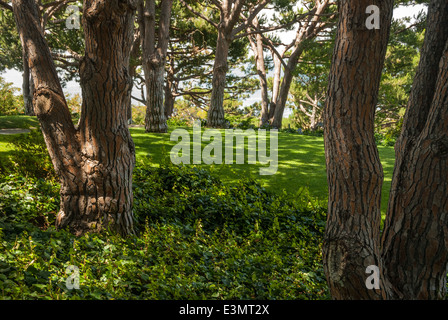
<point>199,14</point>
<point>252,14</point>
<point>5,5</point>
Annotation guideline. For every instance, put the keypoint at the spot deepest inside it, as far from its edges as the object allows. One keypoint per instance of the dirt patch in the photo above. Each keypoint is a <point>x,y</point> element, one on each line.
<point>14,131</point>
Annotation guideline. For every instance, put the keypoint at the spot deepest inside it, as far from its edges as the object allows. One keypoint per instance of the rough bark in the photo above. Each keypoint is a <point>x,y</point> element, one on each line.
<point>154,60</point>
<point>354,172</point>
<point>94,161</point>
<point>415,238</point>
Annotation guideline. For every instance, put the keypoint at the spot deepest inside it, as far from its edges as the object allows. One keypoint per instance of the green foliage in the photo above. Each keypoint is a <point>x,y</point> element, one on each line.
<point>241,121</point>
<point>74,104</point>
<point>10,47</point>
<point>138,114</point>
<point>10,102</point>
<point>402,58</point>
<point>30,157</point>
<point>197,239</point>
<point>26,201</point>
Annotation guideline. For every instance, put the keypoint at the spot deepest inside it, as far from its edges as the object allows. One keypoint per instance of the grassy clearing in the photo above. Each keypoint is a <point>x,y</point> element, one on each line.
<point>301,163</point>
<point>301,159</point>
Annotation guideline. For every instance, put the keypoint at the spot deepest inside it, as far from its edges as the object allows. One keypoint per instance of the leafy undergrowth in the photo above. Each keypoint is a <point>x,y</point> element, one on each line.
<point>195,239</point>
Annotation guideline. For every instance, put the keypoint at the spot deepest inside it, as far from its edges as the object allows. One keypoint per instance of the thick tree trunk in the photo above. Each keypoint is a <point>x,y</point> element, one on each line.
<point>95,162</point>
<point>415,238</point>
<point>354,171</point>
<point>215,115</point>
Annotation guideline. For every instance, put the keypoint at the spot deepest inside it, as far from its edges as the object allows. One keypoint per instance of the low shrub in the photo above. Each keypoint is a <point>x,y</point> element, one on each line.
<point>196,239</point>
<point>242,121</point>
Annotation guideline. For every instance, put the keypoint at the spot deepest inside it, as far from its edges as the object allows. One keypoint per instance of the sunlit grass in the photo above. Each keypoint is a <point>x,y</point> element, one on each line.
<point>301,159</point>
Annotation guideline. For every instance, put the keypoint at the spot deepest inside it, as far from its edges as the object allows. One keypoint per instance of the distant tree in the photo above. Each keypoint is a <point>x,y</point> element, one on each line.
<point>234,17</point>
<point>315,22</point>
<point>311,80</point>
<point>154,52</point>
<point>402,57</point>
<point>10,102</point>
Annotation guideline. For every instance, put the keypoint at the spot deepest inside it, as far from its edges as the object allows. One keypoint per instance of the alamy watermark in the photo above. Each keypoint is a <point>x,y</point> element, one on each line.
<point>373,281</point>
<point>373,21</point>
<point>72,281</point>
<point>213,152</point>
<point>73,20</point>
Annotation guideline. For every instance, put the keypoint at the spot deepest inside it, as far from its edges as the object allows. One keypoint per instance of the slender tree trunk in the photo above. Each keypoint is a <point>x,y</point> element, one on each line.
<point>257,48</point>
<point>414,241</point>
<point>304,33</point>
<point>275,85</point>
<point>27,88</point>
<point>354,171</point>
<point>169,99</point>
<point>280,104</point>
<point>132,69</point>
<point>215,116</point>
<point>170,89</point>
<point>95,162</point>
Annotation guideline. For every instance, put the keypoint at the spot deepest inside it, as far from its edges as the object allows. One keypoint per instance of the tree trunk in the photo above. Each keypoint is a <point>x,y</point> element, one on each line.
<point>155,120</point>
<point>169,99</point>
<point>308,31</point>
<point>414,241</point>
<point>170,89</point>
<point>154,60</point>
<point>257,48</point>
<point>215,115</point>
<point>280,104</point>
<point>27,87</point>
<point>275,84</point>
<point>95,162</point>
<point>354,171</point>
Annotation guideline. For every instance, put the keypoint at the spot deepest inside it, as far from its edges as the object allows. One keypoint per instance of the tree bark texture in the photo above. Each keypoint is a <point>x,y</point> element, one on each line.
<point>27,87</point>
<point>354,172</point>
<point>415,250</point>
<point>95,160</point>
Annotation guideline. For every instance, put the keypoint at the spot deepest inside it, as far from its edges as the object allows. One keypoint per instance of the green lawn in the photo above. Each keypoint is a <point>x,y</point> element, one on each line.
<point>24,122</point>
<point>301,159</point>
